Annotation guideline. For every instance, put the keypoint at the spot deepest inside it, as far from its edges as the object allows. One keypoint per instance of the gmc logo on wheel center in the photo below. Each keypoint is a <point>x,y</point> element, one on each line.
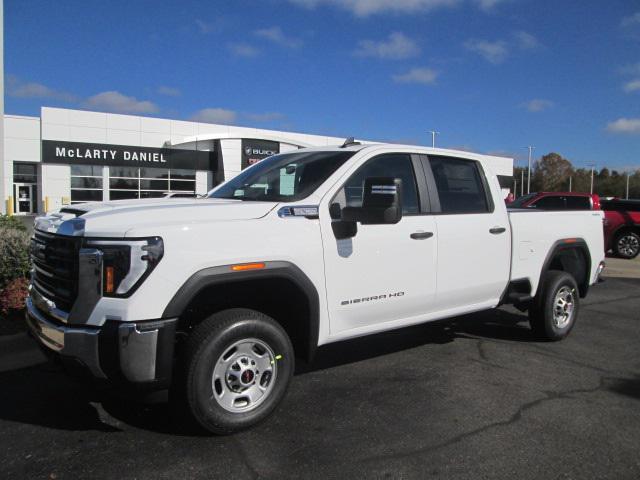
<point>372,298</point>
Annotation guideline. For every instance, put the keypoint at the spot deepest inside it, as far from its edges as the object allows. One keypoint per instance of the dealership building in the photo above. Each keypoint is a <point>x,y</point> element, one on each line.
<point>69,156</point>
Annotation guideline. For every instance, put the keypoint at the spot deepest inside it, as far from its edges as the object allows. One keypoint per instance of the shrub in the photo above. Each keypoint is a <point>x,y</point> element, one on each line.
<point>14,255</point>
<point>11,222</point>
<point>14,295</point>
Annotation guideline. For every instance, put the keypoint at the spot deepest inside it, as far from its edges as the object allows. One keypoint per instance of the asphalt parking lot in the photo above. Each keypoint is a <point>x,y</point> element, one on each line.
<point>477,398</point>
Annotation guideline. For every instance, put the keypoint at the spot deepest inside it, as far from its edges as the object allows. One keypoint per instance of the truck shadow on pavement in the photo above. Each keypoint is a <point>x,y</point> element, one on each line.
<point>496,324</point>
<point>43,395</point>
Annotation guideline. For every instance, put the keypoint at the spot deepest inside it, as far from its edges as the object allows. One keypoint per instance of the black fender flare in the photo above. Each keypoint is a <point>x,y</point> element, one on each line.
<point>222,274</point>
<point>569,244</point>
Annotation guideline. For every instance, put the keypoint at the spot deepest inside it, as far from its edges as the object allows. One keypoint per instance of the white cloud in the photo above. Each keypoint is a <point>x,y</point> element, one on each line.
<point>493,52</point>
<point>277,36</point>
<point>396,47</point>
<point>363,8</point>
<point>631,20</point>
<point>169,91</point>
<point>264,117</point>
<point>206,27</point>
<point>526,41</point>
<point>424,76</point>
<point>243,49</point>
<point>215,115</point>
<point>116,102</point>
<point>538,105</point>
<point>19,89</point>
<point>632,86</point>
<point>625,125</point>
<point>487,4</point>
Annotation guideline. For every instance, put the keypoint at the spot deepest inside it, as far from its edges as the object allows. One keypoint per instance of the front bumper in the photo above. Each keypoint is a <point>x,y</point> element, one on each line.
<point>122,353</point>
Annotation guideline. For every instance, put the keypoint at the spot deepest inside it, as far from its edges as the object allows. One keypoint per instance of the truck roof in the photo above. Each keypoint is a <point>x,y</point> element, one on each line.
<point>413,148</point>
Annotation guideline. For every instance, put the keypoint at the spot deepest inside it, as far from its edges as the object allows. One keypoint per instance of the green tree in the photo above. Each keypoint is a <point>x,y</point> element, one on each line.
<point>552,172</point>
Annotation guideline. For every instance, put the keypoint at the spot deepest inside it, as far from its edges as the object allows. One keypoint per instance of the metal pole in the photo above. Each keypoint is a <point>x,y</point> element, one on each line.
<point>569,182</point>
<point>592,168</point>
<point>433,137</point>
<point>522,183</point>
<point>627,196</point>
<point>529,172</point>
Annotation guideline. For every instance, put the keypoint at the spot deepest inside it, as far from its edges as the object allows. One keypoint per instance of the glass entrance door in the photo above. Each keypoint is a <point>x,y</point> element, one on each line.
<point>24,195</point>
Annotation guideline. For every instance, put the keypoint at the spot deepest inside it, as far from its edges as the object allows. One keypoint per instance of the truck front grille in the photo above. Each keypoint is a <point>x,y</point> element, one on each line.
<point>55,267</point>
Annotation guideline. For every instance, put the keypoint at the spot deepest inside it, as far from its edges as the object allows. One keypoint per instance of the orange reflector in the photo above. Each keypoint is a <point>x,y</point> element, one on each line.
<point>570,240</point>
<point>108,280</point>
<point>247,266</point>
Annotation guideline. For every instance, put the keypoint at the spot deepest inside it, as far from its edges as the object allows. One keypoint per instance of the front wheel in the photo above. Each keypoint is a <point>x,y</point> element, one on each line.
<point>237,367</point>
<point>555,308</point>
<point>627,245</point>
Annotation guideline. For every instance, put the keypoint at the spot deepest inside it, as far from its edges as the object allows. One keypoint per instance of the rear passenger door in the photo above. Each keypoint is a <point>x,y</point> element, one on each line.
<point>474,244</point>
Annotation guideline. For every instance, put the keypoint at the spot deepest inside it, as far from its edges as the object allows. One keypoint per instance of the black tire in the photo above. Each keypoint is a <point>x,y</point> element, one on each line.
<point>204,348</point>
<point>545,325</point>
<point>627,245</point>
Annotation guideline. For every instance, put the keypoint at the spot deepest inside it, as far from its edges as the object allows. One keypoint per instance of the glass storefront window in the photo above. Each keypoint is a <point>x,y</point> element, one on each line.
<point>130,182</point>
<point>25,172</point>
<point>86,183</point>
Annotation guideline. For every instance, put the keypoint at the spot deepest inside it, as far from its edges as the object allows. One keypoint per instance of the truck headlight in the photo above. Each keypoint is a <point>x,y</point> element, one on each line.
<point>126,263</point>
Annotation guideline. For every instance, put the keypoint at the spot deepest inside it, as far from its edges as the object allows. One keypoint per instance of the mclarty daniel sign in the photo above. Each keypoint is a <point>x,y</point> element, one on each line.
<point>54,151</point>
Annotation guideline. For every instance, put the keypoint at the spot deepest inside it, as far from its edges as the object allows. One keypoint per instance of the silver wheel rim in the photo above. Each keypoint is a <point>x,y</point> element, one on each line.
<point>563,307</point>
<point>244,375</point>
<point>628,245</point>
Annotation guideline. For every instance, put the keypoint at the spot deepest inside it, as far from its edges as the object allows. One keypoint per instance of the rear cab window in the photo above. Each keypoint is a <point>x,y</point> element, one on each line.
<point>461,185</point>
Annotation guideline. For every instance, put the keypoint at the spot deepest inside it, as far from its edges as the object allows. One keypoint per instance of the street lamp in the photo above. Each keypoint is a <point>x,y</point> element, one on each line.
<point>627,196</point>
<point>593,166</point>
<point>433,137</point>
<point>529,170</point>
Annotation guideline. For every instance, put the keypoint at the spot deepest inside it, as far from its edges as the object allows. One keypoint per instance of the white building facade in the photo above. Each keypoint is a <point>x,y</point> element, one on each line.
<point>70,156</point>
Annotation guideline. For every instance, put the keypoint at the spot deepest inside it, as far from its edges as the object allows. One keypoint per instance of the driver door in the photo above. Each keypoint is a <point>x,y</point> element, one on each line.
<point>384,276</point>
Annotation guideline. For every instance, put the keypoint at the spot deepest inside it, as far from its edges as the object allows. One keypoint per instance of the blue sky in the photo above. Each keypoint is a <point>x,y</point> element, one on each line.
<point>490,75</point>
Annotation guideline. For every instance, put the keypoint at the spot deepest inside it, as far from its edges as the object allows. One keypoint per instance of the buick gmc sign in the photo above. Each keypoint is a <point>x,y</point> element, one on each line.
<point>255,150</point>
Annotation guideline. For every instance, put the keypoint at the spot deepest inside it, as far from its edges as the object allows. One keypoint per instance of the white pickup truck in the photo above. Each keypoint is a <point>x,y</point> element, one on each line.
<point>216,297</point>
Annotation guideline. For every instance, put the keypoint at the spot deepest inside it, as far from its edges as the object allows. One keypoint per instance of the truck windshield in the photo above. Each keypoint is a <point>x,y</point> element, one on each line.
<point>283,178</point>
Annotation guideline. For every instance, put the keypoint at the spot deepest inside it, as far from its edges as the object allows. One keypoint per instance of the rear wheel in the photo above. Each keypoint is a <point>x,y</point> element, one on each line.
<point>627,245</point>
<point>237,367</point>
<point>555,308</point>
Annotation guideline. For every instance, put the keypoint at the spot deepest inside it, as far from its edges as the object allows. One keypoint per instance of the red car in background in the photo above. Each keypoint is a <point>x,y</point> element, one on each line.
<point>622,227</point>
<point>557,201</point>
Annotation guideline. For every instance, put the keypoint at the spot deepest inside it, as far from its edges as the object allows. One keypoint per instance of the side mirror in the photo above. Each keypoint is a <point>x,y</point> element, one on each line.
<point>341,228</point>
<point>381,202</point>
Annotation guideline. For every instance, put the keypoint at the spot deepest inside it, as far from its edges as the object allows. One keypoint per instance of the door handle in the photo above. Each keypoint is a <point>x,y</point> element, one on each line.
<point>497,230</point>
<point>421,235</point>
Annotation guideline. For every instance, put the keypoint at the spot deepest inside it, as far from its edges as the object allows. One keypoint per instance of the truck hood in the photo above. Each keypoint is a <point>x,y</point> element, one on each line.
<point>117,218</point>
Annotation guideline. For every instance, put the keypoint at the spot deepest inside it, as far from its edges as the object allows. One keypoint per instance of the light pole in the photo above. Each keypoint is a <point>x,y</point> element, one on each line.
<point>433,137</point>
<point>593,166</point>
<point>529,170</point>
<point>522,182</point>
<point>627,195</point>
<point>570,182</point>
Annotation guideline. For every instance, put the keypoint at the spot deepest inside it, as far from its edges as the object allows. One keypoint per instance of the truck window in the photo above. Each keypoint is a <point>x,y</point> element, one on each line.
<point>460,186</point>
<point>550,203</point>
<point>394,165</point>
<point>578,203</point>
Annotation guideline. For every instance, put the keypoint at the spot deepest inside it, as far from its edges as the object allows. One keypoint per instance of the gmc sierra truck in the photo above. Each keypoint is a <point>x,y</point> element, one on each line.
<point>216,297</point>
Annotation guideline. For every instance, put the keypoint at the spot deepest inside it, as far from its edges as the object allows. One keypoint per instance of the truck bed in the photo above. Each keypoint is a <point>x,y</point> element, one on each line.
<point>534,234</point>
